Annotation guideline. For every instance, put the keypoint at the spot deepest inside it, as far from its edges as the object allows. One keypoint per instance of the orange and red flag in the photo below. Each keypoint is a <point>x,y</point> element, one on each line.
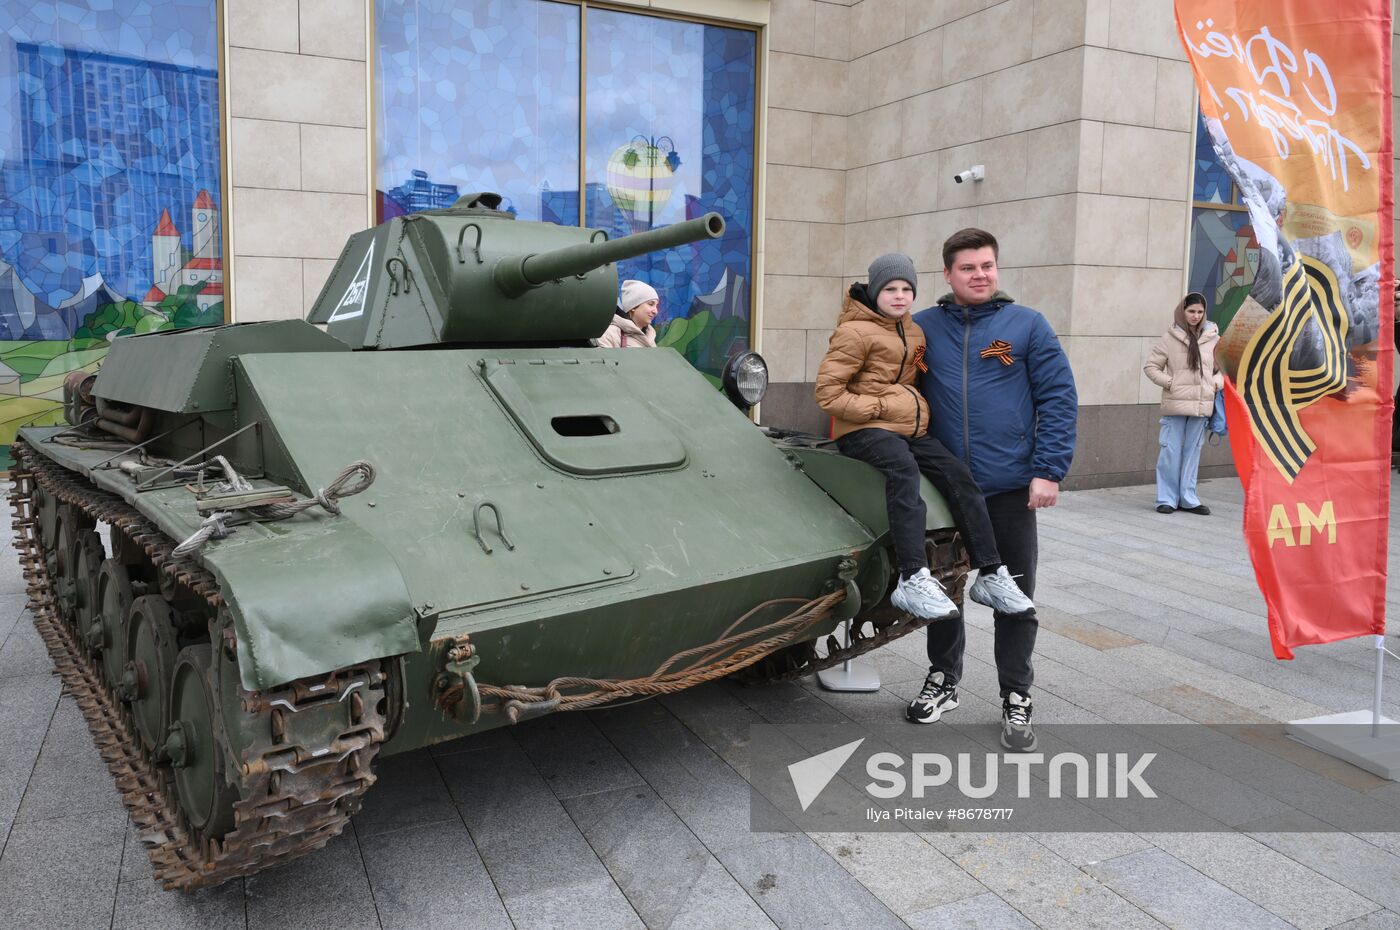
<point>1295,95</point>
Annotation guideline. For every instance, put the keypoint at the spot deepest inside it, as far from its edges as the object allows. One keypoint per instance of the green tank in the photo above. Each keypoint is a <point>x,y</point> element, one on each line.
<point>263,555</point>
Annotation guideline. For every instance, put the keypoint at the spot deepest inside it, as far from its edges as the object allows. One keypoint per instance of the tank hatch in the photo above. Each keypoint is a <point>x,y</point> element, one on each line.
<point>581,416</point>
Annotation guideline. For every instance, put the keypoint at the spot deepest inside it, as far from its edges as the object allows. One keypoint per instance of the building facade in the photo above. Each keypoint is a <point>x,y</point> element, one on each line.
<point>828,132</point>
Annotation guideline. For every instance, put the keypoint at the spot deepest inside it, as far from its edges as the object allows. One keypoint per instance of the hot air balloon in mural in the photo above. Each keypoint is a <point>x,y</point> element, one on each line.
<point>640,175</point>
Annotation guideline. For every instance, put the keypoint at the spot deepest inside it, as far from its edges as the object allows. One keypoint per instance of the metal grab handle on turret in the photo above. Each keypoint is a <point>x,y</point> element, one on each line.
<point>393,278</point>
<point>500,527</point>
<point>592,240</point>
<point>476,249</point>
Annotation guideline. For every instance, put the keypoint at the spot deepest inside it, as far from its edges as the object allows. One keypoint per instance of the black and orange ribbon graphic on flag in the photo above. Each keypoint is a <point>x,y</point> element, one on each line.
<point>1001,351</point>
<point>1273,391</point>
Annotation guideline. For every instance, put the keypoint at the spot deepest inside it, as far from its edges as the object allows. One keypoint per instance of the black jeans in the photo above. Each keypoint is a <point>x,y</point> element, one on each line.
<point>1014,635</point>
<point>901,459</point>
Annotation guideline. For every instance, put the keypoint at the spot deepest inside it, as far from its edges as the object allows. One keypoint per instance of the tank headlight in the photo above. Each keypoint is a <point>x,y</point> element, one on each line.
<point>746,379</point>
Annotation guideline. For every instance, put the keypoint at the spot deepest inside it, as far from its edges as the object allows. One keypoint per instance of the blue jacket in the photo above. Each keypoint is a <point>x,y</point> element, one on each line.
<point>1009,413</point>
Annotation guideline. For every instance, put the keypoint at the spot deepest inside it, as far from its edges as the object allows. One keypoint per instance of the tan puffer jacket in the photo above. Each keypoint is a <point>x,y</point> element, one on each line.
<point>622,333</point>
<point>869,377</point>
<point>1186,392</point>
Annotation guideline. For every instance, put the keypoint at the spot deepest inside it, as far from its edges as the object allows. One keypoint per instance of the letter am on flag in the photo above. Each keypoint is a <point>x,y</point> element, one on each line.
<point>1295,96</point>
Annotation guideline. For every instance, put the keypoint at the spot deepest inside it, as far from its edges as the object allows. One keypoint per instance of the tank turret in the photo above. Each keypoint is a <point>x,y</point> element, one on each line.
<point>471,275</point>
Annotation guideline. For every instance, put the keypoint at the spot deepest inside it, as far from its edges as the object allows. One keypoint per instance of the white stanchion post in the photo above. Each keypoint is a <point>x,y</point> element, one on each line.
<point>1380,684</point>
<point>1375,748</point>
<point>853,675</point>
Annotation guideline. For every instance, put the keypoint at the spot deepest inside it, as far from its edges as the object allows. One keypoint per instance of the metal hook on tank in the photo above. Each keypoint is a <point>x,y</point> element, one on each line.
<point>593,238</point>
<point>476,249</point>
<point>500,526</point>
<point>393,278</point>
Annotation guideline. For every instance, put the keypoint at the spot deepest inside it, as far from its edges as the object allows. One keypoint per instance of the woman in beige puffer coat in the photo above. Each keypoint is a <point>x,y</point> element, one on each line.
<point>1183,365</point>
<point>631,325</point>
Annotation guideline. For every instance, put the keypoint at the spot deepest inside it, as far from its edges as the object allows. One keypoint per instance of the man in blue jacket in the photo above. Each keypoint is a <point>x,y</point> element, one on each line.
<point>1001,396</point>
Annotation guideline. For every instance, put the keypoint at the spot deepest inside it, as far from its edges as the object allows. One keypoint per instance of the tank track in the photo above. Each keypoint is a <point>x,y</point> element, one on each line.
<point>949,563</point>
<point>303,773</point>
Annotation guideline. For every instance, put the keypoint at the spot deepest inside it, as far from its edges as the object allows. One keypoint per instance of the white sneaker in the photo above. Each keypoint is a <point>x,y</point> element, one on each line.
<point>922,596</point>
<point>1000,592</point>
<point>936,698</point>
<point>1016,732</point>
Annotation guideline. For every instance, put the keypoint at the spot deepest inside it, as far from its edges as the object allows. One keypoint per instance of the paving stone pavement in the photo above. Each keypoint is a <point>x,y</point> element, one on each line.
<point>638,816</point>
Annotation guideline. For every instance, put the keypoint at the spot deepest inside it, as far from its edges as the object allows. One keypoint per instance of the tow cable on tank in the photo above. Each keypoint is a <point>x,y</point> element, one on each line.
<point>353,478</point>
<point>518,702</point>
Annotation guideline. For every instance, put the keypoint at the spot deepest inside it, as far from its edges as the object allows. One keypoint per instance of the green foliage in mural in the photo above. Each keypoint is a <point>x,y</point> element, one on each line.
<point>191,315</point>
<point>32,360</point>
<point>111,318</point>
<point>183,312</point>
<point>177,311</point>
<point>704,341</point>
<point>1226,309</point>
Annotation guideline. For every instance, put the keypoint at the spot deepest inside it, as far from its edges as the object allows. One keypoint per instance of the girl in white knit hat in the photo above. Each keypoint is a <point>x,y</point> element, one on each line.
<point>631,325</point>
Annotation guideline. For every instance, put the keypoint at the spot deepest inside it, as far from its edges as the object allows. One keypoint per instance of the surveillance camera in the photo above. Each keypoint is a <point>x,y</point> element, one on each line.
<point>975,173</point>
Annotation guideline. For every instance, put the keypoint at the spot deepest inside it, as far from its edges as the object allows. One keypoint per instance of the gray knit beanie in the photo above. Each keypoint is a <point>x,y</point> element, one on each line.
<point>891,267</point>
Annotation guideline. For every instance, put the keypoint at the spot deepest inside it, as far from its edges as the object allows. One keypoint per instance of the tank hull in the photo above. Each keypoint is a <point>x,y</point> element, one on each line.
<point>585,554</point>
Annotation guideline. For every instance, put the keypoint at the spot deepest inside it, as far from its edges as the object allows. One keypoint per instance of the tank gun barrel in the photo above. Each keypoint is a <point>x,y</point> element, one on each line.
<point>516,274</point>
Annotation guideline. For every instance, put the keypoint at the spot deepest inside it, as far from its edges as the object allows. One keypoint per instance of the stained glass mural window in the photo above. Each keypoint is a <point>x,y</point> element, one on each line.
<point>110,199</point>
<point>1224,253</point>
<point>479,95</point>
<point>670,136</point>
<point>485,95</point>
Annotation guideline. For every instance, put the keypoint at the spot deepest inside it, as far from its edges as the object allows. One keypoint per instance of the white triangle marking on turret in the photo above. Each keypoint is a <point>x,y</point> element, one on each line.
<point>352,302</point>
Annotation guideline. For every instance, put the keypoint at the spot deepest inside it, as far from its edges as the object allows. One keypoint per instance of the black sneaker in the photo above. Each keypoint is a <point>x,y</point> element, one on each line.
<point>1016,732</point>
<point>1165,508</point>
<point>936,698</point>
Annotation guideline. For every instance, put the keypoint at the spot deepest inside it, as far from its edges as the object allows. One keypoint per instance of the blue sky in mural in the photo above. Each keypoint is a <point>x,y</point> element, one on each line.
<point>478,95</point>
<point>670,130</point>
<point>108,117</point>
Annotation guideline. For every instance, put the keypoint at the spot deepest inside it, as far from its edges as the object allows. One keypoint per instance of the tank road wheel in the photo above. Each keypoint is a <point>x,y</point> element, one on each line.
<point>87,565</point>
<point>109,621</point>
<point>130,555</point>
<point>191,743</point>
<point>60,561</point>
<point>45,517</point>
<point>150,661</point>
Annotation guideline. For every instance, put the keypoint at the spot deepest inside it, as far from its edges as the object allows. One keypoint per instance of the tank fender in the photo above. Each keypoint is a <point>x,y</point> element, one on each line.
<point>311,595</point>
<point>860,488</point>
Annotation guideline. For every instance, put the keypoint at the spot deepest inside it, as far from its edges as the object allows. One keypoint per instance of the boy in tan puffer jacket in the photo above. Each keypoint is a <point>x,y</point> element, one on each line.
<point>868,383</point>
